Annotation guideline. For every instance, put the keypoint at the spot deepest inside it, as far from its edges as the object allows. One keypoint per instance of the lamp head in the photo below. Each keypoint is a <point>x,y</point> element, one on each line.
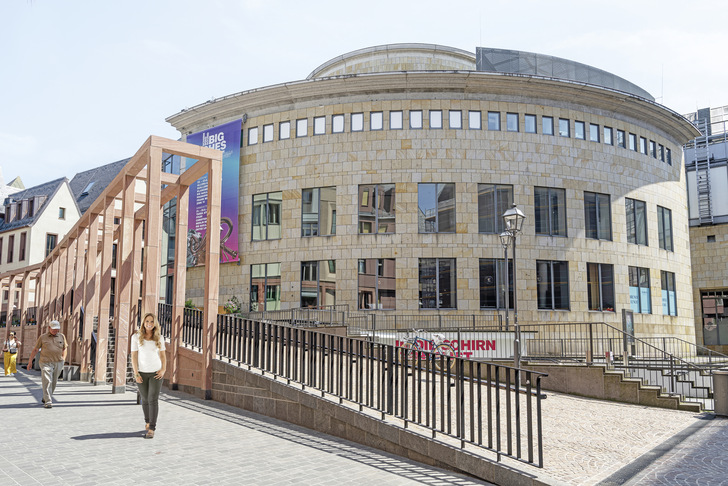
<point>505,238</point>
<point>513,219</point>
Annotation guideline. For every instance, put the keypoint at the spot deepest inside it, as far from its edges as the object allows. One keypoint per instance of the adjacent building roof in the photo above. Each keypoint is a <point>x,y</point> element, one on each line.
<point>88,185</point>
<point>47,189</point>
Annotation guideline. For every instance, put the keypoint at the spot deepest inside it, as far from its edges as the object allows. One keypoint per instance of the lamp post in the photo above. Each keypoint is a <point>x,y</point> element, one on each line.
<point>513,219</point>
<point>505,238</point>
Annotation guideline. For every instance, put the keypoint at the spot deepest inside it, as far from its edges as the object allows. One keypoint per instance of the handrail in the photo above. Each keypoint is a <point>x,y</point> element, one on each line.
<point>465,402</point>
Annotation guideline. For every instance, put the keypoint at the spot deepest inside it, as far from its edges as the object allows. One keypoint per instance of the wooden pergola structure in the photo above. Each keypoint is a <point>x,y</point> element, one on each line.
<point>76,277</point>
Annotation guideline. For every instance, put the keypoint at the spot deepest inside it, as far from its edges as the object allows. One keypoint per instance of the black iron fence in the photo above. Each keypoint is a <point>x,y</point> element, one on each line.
<point>677,366</point>
<point>491,406</point>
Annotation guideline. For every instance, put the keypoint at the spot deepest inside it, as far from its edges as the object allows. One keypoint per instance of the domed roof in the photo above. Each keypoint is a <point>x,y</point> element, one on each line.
<point>397,57</point>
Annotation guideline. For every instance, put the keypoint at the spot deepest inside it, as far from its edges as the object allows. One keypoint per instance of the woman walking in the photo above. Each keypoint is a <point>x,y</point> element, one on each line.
<point>10,349</point>
<point>150,363</point>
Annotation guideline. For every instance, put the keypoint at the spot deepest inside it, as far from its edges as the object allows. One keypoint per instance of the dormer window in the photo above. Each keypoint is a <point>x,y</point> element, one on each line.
<point>88,188</point>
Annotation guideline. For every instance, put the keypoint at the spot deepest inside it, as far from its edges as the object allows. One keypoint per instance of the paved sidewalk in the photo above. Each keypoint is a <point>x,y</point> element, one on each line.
<point>92,436</point>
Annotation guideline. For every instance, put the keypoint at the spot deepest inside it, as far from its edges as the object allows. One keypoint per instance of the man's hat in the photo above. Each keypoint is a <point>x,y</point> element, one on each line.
<point>55,325</point>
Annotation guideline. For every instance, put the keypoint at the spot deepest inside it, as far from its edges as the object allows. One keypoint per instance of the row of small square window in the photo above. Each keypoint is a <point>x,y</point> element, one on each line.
<point>596,133</point>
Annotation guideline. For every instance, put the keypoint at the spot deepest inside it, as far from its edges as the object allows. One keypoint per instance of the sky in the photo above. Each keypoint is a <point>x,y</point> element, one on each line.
<point>84,83</point>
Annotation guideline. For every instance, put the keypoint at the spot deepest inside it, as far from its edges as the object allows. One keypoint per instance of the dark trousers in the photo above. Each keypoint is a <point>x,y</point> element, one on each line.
<point>149,390</point>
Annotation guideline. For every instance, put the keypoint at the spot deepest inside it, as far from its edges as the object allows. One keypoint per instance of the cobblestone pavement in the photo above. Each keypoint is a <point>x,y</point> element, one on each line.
<point>92,436</point>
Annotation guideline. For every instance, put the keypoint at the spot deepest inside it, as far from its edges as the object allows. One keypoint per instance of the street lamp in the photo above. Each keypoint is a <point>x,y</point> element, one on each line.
<point>505,238</point>
<point>513,219</point>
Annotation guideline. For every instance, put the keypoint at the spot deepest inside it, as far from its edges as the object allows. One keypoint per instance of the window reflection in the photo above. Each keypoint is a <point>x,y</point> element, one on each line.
<point>377,283</point>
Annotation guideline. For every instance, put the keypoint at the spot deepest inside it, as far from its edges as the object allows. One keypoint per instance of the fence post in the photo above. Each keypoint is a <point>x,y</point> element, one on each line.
<point>374,326</point>
<point>590,358</point>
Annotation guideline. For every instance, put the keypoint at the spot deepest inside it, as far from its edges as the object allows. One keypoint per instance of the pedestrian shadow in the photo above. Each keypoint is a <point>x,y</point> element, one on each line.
<point>111,435</point>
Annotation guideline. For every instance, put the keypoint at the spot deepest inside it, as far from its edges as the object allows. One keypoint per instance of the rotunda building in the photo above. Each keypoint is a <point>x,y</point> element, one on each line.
<point>379,183</point>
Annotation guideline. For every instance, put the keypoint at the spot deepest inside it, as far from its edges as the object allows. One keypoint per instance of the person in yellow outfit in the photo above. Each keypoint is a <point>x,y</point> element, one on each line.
<point>10,349</point>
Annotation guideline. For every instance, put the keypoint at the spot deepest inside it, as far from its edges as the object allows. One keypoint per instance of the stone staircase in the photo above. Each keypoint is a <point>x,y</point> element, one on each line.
<point>603,383</point>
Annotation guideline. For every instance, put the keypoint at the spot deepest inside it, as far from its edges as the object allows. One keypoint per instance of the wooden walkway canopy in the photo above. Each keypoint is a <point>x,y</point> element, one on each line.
<point>125,224</point>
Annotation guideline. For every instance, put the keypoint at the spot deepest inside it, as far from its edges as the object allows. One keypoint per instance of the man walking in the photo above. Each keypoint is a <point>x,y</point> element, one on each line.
<point>53,348</point>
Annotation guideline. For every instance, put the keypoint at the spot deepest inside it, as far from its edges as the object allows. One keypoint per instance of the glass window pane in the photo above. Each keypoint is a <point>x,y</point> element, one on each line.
<point>386,208</point>
<point>416,119</point>
<point>543,285</point>
<point>367,209</point>
<point>558,212</point>
<point>564,127</point>
<point>275,208</point>
<point>579,130</point>
<point>446,208</point>
<point>435,119</point>
<point>337,123</point>
<point>547,125</point>
<point>605,217</point>
<point>301,127</point>
<point>284,130</point>
<point>376,120</point>
<point>474,121</point>
<point>512,122</point>
<point>529,123</point>
<point>268,133</point>
<point>456,119</point>
<point>488,284</point>
<point>486,208</point>
<point>447,283</point>
<point>327,211</point>
<point>357,122</point>
<point>428,283</point>
<point>258,217</point>
<point>620,138</point>
<point>593,294</point>
<point>427,208</point>
<point>561,285</point>
<point>608,136</point>
<point>252,136</point>
<point>593,132</point>
<point>395,120</point>
<point>541,209</point>
<point>607,288</point>
<point>641,222</point>
<point>319,125</point>
<point>493,120</point>
<point>590,215</point>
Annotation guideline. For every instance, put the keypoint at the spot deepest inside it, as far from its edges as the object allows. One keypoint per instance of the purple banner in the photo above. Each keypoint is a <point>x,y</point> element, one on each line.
<point>227,139</point>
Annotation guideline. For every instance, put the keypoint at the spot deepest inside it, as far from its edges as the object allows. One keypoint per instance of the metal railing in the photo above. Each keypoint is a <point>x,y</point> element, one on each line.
<point>494,407</point>
<point>674,365</point>
<point>191,325</point>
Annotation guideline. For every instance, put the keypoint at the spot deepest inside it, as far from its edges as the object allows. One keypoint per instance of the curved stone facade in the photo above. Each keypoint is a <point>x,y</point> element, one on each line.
<point>459,163</point>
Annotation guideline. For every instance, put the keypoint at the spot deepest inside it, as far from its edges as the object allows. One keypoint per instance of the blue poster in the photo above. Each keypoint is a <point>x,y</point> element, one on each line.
<point>225,138</point>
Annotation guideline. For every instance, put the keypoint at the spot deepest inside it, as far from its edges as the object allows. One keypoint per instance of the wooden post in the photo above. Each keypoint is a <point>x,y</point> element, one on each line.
<point>212,272</point>
<point>153,231</point>
<point>180,277</point>
<point>124,273</point>
<point>91,295</point>
<point>78,296</point>
<point>102,333</point>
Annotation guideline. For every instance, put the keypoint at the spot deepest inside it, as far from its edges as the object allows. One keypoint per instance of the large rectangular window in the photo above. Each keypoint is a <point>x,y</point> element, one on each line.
<point>552,285</point>
<point>608,136</point>
<point>51,241</point>
<point>438,283</point>
<point>600,286</point>
<point>550,209</point>
<point>21,253</point>
<point>265,287</point>
<point>664,228</point>
<point>318,283</point>
<point>639,290</point>
<point>377,208</point>
<point>318,208</point>
<point>11,248</point>
<point>632,142</point>
<point>579,130</point>
<point>493,284</point>
<point>337,123</point>
<point>319,125</point>
<point>668,294</point>
<point>593,132</point>
<point>597,216</point>
<point>301,127</point>
<point>377,283</point>
<point>715,316</point>
<point>636,221</point>
<point>436,208</point>
<point>267,216</point>
<point>621,140</point>
<point>529,123</point>
<point>493,201</point>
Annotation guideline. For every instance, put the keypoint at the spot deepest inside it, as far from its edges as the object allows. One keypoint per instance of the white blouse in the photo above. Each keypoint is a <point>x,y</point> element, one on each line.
<point>148,358</point>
